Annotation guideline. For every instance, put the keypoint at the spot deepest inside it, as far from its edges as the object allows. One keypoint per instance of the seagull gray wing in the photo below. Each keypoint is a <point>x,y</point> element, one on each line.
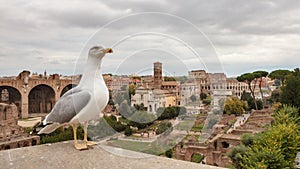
<point>71,91</point>
<point>70,104</point>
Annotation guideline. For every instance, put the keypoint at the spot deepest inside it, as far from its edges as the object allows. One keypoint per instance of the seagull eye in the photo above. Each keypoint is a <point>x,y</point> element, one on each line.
<point>95,48</point>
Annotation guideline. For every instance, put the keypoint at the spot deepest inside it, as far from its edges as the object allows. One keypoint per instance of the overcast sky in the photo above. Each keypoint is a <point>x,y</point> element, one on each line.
<point>227,36</point>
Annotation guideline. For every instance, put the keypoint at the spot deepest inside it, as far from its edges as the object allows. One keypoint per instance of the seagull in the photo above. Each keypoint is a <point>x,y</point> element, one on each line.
<point>81,104</point>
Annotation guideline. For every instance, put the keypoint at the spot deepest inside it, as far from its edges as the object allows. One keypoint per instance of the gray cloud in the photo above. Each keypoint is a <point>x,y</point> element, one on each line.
<point>52,35</point>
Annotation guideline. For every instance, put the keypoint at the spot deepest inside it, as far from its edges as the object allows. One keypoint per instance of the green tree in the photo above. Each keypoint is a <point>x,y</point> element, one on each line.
<point>235,106</point>
<point>169,153</point>
<point>167,78</point>
<point>61,134</point>
<point>275,96</point>
<point>248,139</point>
<point>110,101</point>
<point>141,119</point>
<point>250,78</point>
<point>286,115</point>
<point>206,101</point>
<point>236,155</point>
<point>140,107</point>
<point>280,75</point>
<point>116,125</point>
<point>131,90</point>
<point>203,96</point>
<point>197,158</point>
<point>261,75</point>
<point>276,147</point>
<point>170,112</point>
<point>128,131</point>
<point>263,158</point>
<point>247,97</point>
<point>291,91</point>
<point>162,127</point>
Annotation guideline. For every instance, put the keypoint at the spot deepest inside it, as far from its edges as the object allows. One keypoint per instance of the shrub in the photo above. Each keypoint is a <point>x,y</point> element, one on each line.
<point>163,126</point>
<point>128,131</point>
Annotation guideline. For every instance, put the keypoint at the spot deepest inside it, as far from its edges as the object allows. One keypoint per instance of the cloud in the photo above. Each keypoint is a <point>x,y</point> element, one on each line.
<point>242,36</point>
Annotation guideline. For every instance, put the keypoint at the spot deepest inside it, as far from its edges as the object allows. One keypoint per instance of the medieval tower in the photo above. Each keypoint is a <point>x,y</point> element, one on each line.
<point>157,75</point>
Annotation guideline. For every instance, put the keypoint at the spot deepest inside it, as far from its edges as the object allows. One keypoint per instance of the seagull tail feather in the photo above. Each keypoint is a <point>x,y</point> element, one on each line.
<point>49,128</point>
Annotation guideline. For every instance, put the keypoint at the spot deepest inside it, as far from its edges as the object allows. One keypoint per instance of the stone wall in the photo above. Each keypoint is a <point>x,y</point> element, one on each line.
<point>64,155</point>
<point>9,122</point>
<point>12,135</point>
<point>29,94</point>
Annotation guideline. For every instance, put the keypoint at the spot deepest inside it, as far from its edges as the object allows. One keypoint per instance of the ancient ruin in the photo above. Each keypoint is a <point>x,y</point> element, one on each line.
<point>224,138</point>
<point>12,135</point>
<point>35,94</point>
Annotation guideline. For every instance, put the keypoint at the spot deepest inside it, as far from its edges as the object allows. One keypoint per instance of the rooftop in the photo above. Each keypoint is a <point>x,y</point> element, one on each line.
<point>63,155</point>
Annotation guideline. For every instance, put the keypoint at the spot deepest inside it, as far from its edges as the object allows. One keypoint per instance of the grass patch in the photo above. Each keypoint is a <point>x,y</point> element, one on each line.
<point>197,127</point>
<point>185,125</point>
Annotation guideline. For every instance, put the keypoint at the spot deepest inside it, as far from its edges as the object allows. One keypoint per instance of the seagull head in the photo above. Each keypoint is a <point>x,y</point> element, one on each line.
<point>99,51</point>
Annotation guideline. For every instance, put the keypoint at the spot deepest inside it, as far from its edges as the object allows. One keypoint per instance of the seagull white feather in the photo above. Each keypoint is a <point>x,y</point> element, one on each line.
<point>83,103</point>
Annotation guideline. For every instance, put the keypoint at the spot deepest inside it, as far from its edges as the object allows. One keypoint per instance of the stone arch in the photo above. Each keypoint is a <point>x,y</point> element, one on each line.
<point>34,142</point>
<point>67,88</point>
<point>198,158</point>
<point>225,144</point>
<point>13,96</point>
<point>7,147</point>
<point>41,99</point>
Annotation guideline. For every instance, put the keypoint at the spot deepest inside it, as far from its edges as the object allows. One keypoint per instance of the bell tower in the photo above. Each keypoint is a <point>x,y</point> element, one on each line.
<point>157,75</point>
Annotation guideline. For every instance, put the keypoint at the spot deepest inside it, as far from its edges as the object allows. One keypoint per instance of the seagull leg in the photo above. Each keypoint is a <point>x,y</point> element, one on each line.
<point>88,143</point>
<point>76,144</point>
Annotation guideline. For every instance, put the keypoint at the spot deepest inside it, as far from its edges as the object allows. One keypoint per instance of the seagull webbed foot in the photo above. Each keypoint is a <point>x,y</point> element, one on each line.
<point>80,146</point>
<point>91,143</point>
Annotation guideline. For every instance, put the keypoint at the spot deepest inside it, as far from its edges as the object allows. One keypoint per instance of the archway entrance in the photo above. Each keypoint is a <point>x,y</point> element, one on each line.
<point>10,95</point>
<point>198,158</point>
<point>67,88</point>
<point>41,99</point>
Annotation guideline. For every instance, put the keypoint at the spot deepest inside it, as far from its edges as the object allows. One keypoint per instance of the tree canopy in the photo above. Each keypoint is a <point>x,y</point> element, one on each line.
<point>260,74</point>
<point>170,112</point>
<point>247,97</point>
<point>280,75</point>
<point>235,106</point>
<point>291,91</point>
<point>249,78</point>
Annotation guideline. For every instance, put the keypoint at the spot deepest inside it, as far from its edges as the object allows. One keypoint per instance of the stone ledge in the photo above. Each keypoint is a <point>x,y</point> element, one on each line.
<point>63,155</point>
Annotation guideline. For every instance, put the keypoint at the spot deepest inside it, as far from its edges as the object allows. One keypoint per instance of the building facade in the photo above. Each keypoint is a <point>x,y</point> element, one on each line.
<point>35,94</point>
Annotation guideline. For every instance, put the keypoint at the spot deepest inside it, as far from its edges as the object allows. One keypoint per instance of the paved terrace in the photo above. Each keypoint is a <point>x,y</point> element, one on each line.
<point>63,155</point>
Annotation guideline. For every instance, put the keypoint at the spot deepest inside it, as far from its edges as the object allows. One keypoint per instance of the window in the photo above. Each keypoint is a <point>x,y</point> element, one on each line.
<point>225,144</point>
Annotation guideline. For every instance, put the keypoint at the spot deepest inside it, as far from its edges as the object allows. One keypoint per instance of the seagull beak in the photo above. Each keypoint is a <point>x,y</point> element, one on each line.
<point>108,50</point>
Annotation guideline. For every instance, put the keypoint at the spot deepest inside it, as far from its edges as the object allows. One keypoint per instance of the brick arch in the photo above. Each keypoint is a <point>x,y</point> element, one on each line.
<point>14,96</point>
<point>198,153</point>
<point>41,99</point>
<point>195,150</point>
<point>67,88</point>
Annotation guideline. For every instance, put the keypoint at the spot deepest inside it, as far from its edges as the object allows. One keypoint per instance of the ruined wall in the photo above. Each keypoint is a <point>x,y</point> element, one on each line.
<point>216,148</point>
<point>12,135</point>
<point>35,93</point>
<point>8,121</point>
